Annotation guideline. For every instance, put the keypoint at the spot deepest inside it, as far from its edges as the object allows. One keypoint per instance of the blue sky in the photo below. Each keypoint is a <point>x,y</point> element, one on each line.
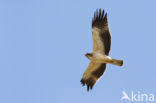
<point>43,42</point>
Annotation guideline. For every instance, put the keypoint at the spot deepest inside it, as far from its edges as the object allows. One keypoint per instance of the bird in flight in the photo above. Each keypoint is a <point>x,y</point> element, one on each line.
<point>101,47</point>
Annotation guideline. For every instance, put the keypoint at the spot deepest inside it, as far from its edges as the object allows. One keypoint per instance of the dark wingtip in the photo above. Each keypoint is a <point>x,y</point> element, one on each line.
<point>100,18</point>
<point>88,88</point>
<point>82,82</point>
<point>90,83</point>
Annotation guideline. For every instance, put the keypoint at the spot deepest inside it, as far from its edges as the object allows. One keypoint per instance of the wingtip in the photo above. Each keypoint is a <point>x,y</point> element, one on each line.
<point>89,87</point>
<point>88,83</point>
<point>100,17</point>
<point>82,82</point>
<point>106,15</point>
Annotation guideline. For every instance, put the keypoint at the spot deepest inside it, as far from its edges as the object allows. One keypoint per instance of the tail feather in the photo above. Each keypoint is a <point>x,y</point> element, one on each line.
<point>117,62</point>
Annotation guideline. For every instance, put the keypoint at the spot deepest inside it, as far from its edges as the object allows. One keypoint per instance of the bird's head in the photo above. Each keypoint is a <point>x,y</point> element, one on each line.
<point>89,55</point>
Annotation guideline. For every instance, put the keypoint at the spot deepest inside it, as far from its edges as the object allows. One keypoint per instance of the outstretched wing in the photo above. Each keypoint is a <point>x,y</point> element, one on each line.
<point>100,32</point>
<point>92,74</point>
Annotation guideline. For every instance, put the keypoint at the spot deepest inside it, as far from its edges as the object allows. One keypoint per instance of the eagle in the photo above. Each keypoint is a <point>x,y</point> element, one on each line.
<point>101,47</point>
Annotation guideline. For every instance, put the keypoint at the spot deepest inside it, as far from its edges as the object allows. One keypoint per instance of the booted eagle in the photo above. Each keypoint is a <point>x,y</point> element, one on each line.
<point>101,47</point>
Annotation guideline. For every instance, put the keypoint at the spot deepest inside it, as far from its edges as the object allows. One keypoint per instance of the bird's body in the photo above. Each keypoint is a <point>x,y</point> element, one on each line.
<point>101,58</point>
<point>101,47</point>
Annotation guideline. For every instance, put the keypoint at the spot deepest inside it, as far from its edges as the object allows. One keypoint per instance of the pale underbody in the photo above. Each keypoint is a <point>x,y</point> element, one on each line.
<point>101,58</point>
